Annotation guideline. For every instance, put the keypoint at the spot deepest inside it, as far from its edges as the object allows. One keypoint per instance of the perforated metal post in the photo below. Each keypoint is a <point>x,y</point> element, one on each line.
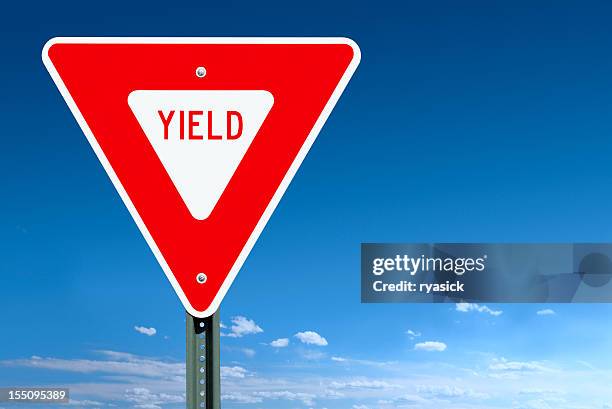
<point>203,363</point>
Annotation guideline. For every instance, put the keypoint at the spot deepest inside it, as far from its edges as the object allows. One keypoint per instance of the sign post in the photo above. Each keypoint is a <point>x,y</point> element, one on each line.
<point>201,137</point>
<point>203,363</point>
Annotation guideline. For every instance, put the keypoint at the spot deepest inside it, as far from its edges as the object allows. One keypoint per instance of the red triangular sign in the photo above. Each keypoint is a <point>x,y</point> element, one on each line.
<point>201,137</point>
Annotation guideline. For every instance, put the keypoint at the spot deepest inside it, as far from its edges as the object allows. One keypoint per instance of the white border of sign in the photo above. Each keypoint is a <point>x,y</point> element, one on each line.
<point>283,185</point>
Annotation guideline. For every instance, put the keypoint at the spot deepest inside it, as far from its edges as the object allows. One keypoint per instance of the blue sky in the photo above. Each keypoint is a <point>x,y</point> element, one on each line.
<point>479,121</point>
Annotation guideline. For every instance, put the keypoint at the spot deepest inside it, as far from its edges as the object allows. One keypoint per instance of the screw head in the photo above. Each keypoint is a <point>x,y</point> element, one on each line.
<point>201,278</point>
<point>200,72</point>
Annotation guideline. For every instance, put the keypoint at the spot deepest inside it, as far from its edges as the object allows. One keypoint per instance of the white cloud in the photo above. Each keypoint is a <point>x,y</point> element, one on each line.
<point>233,372</point>
<point>413,334</point>
<point>360,407</point>
<point>409,400</point>
<point>325,383</point>
<point>240,397</point>
<point>280,343</point>
<point>587,364</point>
<point>306,398</point>
<point>311,338</point>
<point>467,307</point>
<point>362,384</point>
<point>540,391</point>
<point>86,402</point>
<point>116,355</point>
<point>365,362</point>
<point>242,326</point>
<point>312,354</point>
<point>449,392</point>
<point>248,352</point>
<point>517,366</point>
<point>430,346</point>
<point>258,397</point>
<point>118,363</point>
<point>546,311</point>
<point>143,398</point>
<point>146,331</point>
<point>546,403</point>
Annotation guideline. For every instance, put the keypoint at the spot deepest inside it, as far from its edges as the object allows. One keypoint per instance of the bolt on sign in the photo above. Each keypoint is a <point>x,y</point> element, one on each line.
<point>201,137</point>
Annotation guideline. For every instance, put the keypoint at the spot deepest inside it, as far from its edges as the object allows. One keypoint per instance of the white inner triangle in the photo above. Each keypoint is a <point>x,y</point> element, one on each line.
<point>200,159</point>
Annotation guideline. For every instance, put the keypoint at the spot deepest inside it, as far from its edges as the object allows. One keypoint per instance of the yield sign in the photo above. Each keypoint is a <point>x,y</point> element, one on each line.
<point>201,137</point>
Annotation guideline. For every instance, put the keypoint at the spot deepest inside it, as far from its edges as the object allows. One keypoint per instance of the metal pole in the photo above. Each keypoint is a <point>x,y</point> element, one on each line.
<point>203,363</point>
